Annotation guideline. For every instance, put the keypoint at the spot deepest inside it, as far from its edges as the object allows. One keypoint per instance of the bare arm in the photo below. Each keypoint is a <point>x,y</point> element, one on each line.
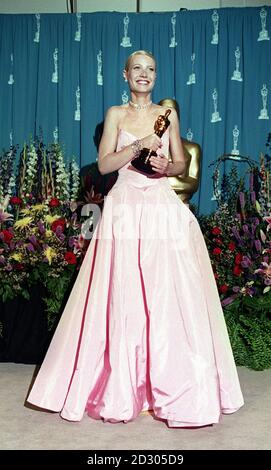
<point>108,159</point>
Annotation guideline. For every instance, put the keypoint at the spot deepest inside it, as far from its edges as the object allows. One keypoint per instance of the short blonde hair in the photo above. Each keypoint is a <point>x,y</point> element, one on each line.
<point>141,52</point>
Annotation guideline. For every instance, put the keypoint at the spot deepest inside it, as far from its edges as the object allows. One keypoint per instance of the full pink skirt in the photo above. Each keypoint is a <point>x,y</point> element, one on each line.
<point>143,327</point>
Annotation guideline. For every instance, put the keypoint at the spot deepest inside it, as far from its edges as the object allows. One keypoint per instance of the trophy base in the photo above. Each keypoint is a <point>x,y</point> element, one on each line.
<point>140,162</point>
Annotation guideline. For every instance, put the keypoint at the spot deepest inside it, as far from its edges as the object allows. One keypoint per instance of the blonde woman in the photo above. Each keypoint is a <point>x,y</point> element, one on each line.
<point>143,328</point>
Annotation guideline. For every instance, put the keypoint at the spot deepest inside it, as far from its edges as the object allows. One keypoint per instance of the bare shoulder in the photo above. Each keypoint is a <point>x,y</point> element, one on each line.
<point>158,106</point>
<point>163,109</point>
<point>173,113</point>
<point>112,118</point>
<point>113,111</point>
<point>116,113</point>
<point>159,109</point>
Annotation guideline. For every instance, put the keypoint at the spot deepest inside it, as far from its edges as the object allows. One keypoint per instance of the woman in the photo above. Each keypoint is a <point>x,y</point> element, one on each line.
<point>143,328</point>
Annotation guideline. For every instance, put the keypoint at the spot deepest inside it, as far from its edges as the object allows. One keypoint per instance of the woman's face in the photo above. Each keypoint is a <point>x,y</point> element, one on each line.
<point>141,74</point>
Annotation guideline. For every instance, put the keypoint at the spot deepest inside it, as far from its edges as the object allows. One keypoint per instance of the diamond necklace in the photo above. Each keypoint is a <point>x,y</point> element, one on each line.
<point>140,106</point>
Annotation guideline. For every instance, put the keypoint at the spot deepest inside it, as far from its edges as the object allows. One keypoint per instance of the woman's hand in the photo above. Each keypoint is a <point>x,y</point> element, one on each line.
<point>159,164</point>
<point>152,142</point>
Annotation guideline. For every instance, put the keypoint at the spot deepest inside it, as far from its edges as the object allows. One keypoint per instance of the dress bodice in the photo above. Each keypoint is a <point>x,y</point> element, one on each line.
<point>128,171</point>
<point>126,138</point>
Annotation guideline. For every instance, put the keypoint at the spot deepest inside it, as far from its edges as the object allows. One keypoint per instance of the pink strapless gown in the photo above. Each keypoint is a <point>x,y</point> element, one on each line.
<point>143,327</point>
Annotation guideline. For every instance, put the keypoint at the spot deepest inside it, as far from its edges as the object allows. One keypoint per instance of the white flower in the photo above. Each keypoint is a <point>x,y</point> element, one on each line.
<point>31,169</point>
<point>75,181</point>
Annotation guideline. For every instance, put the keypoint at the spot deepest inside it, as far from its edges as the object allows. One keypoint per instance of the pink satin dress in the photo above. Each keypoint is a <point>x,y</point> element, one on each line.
<point>143,328</point>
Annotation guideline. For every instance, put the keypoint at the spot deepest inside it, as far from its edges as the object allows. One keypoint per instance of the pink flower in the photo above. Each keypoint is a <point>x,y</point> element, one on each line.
<point>5,216</point>
<point>265,271</point>
<point>268,220</point>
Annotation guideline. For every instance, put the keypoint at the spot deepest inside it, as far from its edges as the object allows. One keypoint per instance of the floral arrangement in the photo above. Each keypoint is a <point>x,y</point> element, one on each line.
<point>238,237</point>
<point>40,239</point>
<point>240,251</point>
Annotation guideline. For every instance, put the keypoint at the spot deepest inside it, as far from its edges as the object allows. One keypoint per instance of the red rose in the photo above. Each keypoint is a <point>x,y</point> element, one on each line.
<point>70,257</point>
<point>17,201</point>
<point>216,275</point>
<point>237,271</point>
<point>218,241</point>
<point>54,202</point>
<point>217,251</point>
<point>231,246</point>
<point>216,231</point>
<point>238,258</point>
<point>58,223</point>
<point>223,289</point>
<point>19,266</point>
<point>6,236</point>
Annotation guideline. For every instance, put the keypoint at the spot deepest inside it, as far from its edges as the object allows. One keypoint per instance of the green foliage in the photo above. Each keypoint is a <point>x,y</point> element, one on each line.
<point>231,185</point>
<point>57,290</point>
<point>249,326</point>
<point>10,290</point>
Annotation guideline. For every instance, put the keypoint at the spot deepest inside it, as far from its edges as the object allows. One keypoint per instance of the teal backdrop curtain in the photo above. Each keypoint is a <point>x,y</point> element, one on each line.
<point>60,72</point>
